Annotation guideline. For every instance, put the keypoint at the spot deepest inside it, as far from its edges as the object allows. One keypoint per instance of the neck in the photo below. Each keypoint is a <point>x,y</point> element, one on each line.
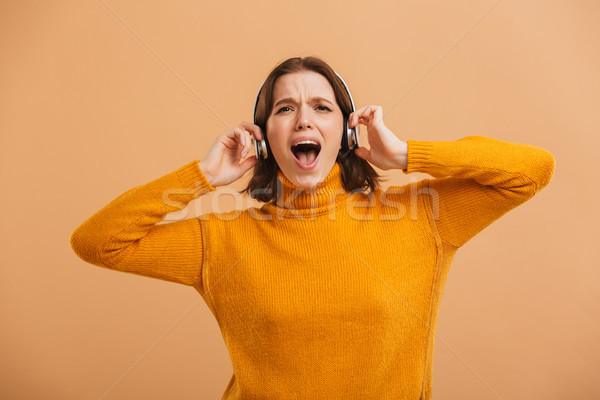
<point>324,197</point>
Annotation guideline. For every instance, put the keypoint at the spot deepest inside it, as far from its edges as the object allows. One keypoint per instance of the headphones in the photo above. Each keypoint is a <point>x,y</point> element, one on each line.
<point>349,135</point>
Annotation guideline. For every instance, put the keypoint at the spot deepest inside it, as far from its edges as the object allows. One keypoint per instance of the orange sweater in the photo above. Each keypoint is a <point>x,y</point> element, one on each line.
<point>323,294</point>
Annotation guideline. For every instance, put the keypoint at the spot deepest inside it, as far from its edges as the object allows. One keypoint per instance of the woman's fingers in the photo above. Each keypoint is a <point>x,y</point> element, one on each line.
<point>242,136</point>
<point>377,113</point>
<point>239,135</point>
<point>249,133</point>
<point>248,163</point>
<point>366,115</point>
<point>233,145</point>
<point>253,129</point>
<point>361,115</point>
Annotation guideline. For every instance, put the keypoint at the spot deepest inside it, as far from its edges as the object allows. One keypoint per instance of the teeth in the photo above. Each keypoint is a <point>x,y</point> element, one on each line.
<point>307,142</point>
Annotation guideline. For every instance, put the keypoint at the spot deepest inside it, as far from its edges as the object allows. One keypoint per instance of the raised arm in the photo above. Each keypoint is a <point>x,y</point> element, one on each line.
<point>479,179</point>
<point>124,236</point>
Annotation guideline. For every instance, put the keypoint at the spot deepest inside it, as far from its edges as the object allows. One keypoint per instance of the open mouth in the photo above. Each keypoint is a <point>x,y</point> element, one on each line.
<point>306,152</point>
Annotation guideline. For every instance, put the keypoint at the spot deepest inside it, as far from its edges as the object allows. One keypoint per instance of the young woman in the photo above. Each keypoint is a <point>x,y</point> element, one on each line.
<point>331,289</point>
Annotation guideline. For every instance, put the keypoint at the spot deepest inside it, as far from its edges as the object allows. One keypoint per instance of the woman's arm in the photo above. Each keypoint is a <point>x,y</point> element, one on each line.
<point>479,180</point>
<point>124,236</point>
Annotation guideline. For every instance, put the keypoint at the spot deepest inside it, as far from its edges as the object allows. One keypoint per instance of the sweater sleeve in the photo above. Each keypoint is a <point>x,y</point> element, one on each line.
<point>123,235</point>
<point>479,179</point>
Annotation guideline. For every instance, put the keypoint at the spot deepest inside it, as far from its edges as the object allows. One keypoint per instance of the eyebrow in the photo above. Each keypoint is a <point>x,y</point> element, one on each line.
<point>291,100</point>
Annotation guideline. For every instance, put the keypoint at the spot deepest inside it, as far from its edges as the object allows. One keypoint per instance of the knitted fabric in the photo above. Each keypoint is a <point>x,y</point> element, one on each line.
<point>323,294</point>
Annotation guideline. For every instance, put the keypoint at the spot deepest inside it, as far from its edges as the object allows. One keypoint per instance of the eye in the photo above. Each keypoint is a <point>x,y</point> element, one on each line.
<point>281,109</point>
<point>319,107</point>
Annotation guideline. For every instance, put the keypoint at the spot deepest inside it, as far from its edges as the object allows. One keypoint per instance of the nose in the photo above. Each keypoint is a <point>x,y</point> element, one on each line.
<point>303,119</point>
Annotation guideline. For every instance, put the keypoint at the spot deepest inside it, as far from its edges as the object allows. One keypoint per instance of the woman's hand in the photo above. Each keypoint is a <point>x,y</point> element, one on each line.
<point>387,151</point>
<point>221,165</point>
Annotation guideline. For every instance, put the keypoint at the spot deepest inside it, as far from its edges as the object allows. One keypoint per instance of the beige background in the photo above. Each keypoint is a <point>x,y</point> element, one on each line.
<point>97,97</point>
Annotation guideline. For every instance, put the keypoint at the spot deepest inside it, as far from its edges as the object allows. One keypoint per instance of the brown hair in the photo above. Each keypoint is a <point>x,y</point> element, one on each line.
<point>356,172</point>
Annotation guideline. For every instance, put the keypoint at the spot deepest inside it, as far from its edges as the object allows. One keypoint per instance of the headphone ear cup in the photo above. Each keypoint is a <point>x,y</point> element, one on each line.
<point>349,136</point>
<point>353,138</point>
<point>261,147</point>
<point>345,134</point>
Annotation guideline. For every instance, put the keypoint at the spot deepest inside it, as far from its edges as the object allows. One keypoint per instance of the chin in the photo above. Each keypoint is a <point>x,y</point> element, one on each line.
<point>309,178</point>
<point>308,182</point>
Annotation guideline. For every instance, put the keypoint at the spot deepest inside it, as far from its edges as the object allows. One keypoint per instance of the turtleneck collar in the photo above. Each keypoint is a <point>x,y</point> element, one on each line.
<point>293,200</point>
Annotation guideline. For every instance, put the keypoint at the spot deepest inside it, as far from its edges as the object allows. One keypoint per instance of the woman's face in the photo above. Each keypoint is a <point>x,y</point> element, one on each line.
<point>304,111</point>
